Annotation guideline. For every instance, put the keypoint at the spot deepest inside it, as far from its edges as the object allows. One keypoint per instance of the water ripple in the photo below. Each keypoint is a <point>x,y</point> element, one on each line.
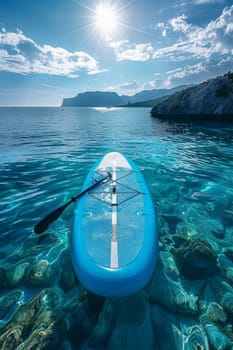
<point>45,155</point>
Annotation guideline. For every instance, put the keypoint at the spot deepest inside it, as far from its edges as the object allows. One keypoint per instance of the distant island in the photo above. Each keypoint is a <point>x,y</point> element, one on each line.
<point>212,98</point>
<point>145,98</point>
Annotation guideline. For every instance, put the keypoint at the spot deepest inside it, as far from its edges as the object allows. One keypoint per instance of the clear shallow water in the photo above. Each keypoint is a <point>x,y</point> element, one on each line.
<point>45,155</point>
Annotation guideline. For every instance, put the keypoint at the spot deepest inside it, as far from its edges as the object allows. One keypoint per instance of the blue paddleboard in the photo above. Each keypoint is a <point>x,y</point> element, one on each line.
<point>114,238</point>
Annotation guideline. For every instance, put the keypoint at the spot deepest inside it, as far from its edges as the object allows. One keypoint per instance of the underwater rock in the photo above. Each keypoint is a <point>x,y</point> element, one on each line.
<point>34,245</point>
<point>162,323</point>
<point>103,329</point>
<point>16,274</point>
<point>179,240</point>
<point>195,338</point>
<point>133,328</point>
<point>49,334</point>
<point>223,293</point>
<point>225,268</point>
<point>93,305</point>
<point>8,301</point>
<point>217,339</point>
<point>228,331</point>
<point>210,207</point>
<point>124,323</point>
<point>214,319</point>
<point>229,274</point>
<point>169,265</point>
<point>166,206</point>
<point>2,255</point>
<point>66,345</point>
<point>224,262</point>
<point>172,221</point>
<point>48,239</point>
<point>228,251</point>
<point>217,193</point>
<point>65,259</point>
<point>72,299</point>
<point>227,302</point>
<point>171,294</point>
<point>228,241</point>
<point>36,325</point>
<point>3,278</point>
<point>215,227</point>
<point>67,280</point>
<point>84,308</point>
<point>196,259</point>
<point>173,331</point>
<point>191,213</point>
<point>40,273</point>
<point>187,231</point>
<point>164,229</point>
<point>228,213</point>
<point>214,313</point>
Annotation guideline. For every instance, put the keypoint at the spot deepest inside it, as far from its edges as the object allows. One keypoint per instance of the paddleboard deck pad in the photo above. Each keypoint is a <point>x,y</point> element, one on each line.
<point>114,238</point>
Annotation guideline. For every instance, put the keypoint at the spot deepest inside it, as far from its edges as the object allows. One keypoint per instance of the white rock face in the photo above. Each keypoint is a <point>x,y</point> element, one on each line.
<point>211,98</point>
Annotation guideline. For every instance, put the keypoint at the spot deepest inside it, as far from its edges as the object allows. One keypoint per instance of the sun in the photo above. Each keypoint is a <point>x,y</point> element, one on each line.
<point>106,19</point>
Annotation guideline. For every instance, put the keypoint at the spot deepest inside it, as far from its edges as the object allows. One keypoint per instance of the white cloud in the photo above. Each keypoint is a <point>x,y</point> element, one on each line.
<point>124,50</point>
<point>210,48</point>
<point>201,2</point>
<point>200,42</point>
<point>189,70</point>
<point>220,31</point>
<point>193,42</point>
<point>179,24</point>
<point>229,28</point>
<point>151,84</point>
<point>183,75</point>
<point>129,87</point>
<point>198,72</point>
<point>161,26</point>
<point>20,54</point>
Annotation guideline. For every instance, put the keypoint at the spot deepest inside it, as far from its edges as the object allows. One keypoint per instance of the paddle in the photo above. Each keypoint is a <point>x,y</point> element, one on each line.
<point>43,224</point>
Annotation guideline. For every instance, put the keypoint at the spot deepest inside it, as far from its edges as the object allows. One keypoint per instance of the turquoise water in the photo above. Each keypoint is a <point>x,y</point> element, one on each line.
<point>45,155</point>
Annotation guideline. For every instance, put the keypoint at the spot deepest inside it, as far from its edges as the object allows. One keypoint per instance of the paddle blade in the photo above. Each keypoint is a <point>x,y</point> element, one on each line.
<point>42,225</point>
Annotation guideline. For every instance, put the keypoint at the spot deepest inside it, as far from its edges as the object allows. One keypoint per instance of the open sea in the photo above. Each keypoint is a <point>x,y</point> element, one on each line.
<point>45,155</point>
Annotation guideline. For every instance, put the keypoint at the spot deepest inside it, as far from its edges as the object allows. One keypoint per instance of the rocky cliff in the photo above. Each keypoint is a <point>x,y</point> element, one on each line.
<point>211,98</point>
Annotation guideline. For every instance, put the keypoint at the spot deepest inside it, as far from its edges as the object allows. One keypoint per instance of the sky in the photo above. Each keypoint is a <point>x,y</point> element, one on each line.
<point>51,49</point>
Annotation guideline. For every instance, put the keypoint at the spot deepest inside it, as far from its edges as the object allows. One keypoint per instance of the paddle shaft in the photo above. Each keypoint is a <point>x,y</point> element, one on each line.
<point>43,224</point>
<point>97,183</point>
